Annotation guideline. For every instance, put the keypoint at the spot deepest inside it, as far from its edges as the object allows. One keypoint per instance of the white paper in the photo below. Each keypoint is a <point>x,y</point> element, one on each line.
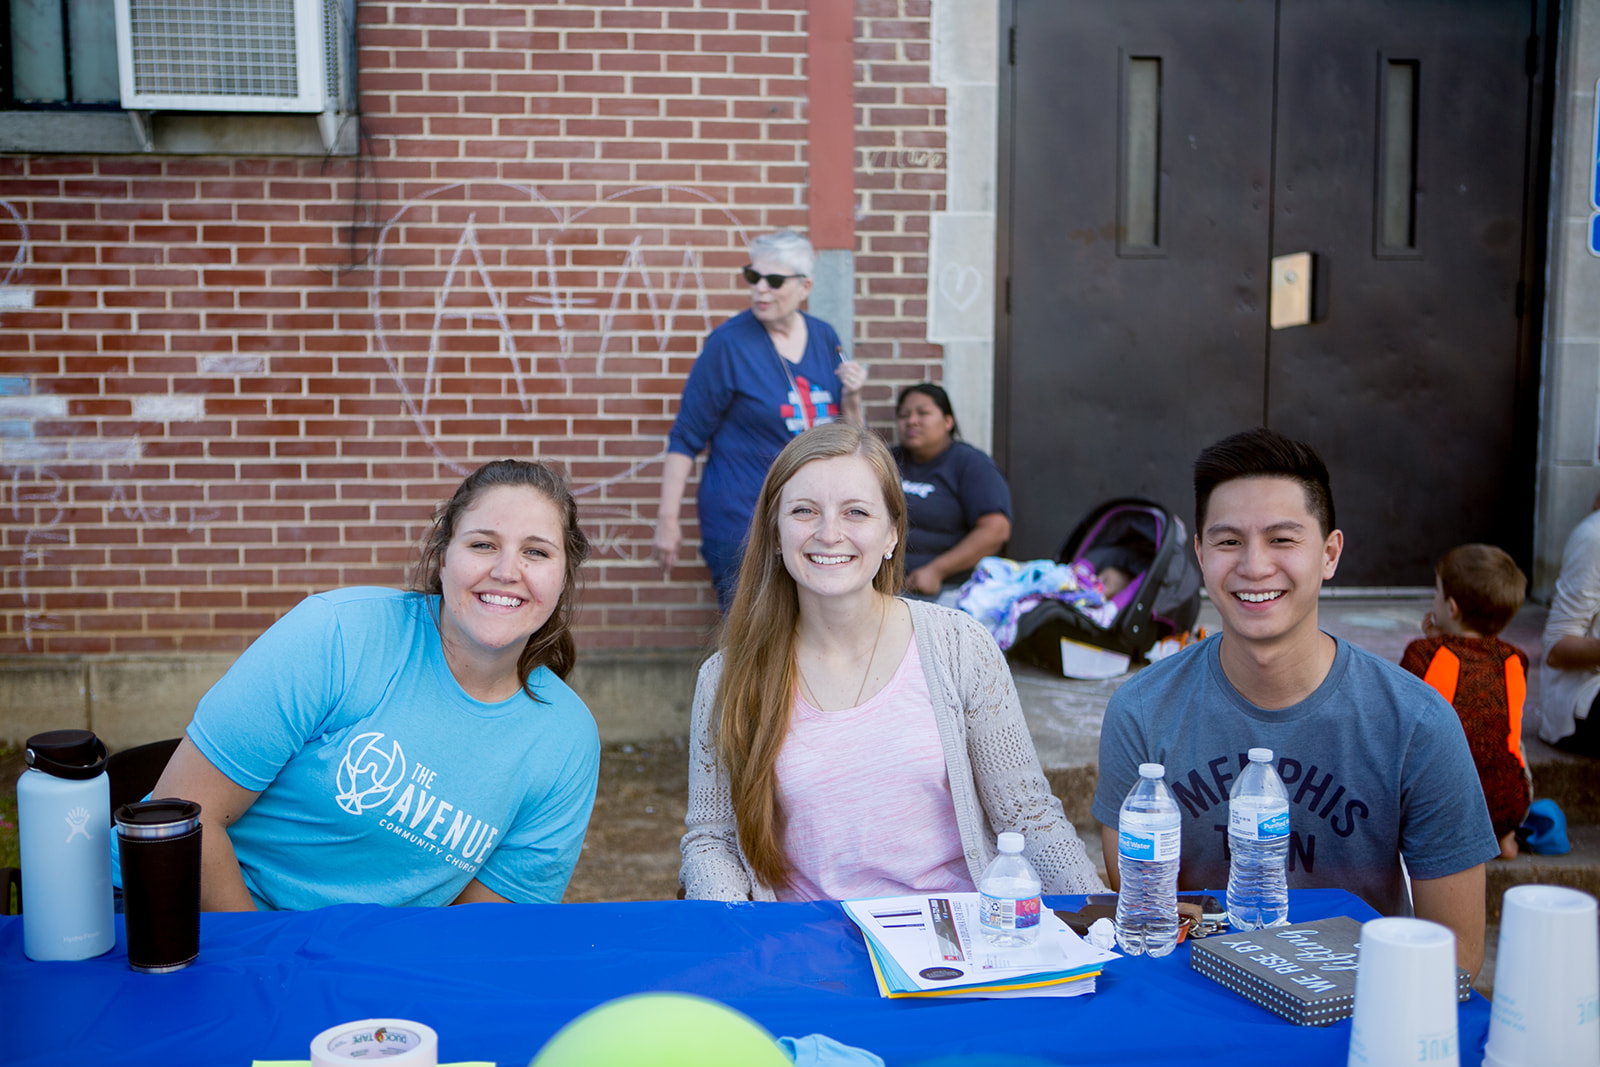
<point>1075,988</point>
<point>949,951</point>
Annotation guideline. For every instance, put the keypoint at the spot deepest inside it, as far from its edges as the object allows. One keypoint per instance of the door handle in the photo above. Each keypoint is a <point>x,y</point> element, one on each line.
<point>1291,290</point>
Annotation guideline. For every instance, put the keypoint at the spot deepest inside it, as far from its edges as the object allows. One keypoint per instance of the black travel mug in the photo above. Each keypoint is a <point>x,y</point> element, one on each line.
<point>160,845</point>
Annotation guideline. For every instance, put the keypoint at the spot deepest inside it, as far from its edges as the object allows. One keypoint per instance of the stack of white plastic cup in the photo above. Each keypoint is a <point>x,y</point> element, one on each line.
<point>1405,1010</point>
<point>1546,1010</point>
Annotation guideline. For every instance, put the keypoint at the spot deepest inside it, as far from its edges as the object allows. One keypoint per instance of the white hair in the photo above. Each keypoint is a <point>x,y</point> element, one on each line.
<point>788,248</point>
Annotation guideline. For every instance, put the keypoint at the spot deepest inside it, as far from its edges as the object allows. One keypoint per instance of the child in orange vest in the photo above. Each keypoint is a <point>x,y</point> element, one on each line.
<point>1477,590</point>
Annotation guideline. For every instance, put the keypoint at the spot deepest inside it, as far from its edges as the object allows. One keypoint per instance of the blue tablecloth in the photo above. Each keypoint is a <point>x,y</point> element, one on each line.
<point>496,981</point>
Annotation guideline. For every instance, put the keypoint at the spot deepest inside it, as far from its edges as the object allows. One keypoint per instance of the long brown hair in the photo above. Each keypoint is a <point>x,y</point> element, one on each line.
<point>551,645</point>
<point>756,693</point>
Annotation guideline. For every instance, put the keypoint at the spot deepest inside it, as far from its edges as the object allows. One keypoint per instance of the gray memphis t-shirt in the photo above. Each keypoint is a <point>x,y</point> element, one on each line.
<point>1375,762</point>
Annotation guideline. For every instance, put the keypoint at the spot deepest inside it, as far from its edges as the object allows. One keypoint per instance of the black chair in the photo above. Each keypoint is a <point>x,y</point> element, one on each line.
<point>133,773</point>
<point>9,877</point>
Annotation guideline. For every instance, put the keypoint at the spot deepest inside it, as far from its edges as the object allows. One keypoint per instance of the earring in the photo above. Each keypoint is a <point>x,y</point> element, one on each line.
<point>889,554</point>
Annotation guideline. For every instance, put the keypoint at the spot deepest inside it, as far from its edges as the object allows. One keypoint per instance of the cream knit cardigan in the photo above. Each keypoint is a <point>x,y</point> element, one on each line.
<point>995,778</point>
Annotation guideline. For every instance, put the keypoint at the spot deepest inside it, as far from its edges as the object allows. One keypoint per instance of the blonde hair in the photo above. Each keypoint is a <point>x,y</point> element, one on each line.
<point>759,676</point>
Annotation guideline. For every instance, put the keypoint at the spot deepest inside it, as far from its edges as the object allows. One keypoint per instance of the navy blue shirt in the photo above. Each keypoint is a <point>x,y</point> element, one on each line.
<point>945,497</point>
<point>743,404</point>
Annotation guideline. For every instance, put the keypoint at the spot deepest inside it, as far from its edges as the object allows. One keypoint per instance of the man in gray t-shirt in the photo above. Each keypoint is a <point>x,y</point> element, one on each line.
<point>1376,764</point>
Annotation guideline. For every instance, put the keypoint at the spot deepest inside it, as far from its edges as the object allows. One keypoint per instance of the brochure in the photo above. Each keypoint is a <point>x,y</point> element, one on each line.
<point>931,945</point>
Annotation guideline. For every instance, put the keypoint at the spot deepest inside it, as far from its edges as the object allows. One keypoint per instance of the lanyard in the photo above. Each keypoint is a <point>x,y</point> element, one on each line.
<point>802,408</point>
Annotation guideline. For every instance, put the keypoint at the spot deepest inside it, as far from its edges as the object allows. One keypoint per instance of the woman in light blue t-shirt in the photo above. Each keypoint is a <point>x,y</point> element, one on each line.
<point>419,747</point>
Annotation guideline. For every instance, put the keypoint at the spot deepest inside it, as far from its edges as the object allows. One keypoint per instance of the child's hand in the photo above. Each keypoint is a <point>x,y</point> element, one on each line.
<point>1429,628</point>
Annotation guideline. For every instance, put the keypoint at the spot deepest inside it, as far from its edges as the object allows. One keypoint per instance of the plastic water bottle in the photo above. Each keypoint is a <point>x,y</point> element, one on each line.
<point>1149,833</point>
<point>1258,840</point>
<point>1008,896</point>
<point>64,835</point>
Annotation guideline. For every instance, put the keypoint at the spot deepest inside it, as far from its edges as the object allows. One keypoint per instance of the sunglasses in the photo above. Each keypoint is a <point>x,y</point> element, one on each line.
<point>751,275</point>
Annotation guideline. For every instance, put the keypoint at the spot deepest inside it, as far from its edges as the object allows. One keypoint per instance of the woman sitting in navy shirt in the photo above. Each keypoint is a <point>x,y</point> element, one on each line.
<point>958,503</point>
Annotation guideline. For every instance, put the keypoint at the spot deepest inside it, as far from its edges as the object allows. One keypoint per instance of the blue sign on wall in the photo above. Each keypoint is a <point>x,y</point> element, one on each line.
<point>1594,181</point>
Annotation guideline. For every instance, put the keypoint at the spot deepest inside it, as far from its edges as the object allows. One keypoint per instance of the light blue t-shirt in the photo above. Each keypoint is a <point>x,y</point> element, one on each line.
<point>381,780</point>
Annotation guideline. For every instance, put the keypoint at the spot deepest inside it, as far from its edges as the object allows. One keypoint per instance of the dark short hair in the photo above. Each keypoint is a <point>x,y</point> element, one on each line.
<point>1486,584</point>
<point>940,398</point>
<point>552,644</point>
<point>1263,453</point>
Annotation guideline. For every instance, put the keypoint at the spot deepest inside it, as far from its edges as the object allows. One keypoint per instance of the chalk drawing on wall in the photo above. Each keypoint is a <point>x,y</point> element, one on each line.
<point>39,500</point>
<point>899,157</point>
<point>961,284</point>
<point>469,294</point>
<point>19,256</point>
<point>580,312</point>
<point>46,497</point>
<point>669,278</point>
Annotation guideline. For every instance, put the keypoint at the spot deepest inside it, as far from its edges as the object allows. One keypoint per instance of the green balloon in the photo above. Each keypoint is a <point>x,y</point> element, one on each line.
<point>662,1030</point>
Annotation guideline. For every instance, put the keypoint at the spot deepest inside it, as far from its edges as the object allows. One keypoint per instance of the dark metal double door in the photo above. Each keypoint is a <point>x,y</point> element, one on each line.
<point>1157,155</point>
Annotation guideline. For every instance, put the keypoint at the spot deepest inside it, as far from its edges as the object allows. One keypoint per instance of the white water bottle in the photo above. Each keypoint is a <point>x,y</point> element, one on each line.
<point>1149,836</point>
<point>64,835</point>
<point>1258,846</point>
<point>1008,896</point>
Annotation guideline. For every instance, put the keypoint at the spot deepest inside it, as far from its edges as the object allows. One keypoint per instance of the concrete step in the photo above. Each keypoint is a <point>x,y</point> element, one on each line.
<point>1578,869</point>
<point>1573,782</point>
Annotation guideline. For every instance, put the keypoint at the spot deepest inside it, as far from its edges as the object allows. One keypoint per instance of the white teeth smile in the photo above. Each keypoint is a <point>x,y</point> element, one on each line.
<point>1258,598</point>
<point>828,561</point>
<point>500,601</point>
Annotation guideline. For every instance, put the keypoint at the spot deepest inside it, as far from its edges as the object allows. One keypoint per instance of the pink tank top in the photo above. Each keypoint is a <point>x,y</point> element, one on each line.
<point>867,797</point>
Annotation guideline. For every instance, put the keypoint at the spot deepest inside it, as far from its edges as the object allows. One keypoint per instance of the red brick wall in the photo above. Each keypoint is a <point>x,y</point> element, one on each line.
<point>245,379</point>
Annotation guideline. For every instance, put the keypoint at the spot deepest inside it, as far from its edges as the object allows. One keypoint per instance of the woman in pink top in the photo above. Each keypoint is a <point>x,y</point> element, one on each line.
<point>848,743</point>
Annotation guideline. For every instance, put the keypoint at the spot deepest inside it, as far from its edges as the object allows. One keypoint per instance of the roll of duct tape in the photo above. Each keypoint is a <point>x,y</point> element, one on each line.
<point>397,1042</point>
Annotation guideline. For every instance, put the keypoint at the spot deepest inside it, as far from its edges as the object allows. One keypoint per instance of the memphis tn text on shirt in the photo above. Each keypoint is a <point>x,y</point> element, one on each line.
<point>1309,788</point>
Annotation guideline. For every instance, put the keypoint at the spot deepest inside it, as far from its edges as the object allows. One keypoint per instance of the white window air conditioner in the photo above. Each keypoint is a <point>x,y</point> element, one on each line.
<point>228,55</point>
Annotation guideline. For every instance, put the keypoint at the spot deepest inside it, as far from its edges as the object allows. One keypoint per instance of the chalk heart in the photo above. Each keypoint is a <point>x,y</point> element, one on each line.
<point>390,299</point>
<point>961,285</point>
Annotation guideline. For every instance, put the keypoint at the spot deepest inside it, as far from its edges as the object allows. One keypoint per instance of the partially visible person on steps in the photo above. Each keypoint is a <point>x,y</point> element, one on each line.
<point>1569,676</point>
<point>1477,590</point>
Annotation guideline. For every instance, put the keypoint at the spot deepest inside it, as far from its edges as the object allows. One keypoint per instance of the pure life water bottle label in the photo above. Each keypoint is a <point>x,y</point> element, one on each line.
<point>1006,914</point>
<point>1157,845</point>
<point>1254,825</point>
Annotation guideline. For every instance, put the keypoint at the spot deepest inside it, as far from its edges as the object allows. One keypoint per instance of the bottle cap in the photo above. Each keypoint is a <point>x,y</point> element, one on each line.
<point>1009,841</point>
<point>75,754</point>
<point>1261,755</point>
<point>1152,770</point>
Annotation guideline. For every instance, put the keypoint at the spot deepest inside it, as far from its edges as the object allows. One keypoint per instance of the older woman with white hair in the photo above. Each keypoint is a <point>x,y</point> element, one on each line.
<point>763,377</point>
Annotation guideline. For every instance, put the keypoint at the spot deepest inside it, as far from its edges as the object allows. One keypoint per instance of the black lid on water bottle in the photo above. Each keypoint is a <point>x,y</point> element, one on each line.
<point>67,754</point>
